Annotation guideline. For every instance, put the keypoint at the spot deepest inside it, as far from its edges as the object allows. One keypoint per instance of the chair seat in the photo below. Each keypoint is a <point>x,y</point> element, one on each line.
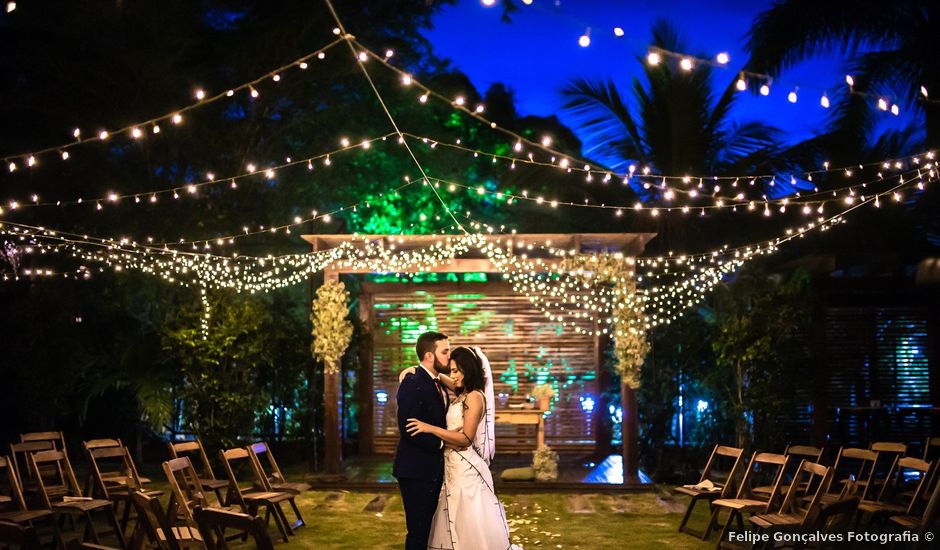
<point>185,535</point>
<point>775,520</point>
<point>25,516</point>
<point>4,498</point>
<point>743,504</point>
<point>695,493</point>
<point>213,484</point>
<point>268,496</point>
<point>907,522</point>
<point>880,508</point>
<point>80,506</point>
<point>295,488</point>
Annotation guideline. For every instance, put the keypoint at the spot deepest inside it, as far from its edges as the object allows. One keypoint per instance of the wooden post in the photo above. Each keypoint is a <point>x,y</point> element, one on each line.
<point>602,433</point>
<point>366,382</point>
<point>629,432</point>
<point>332,405</point>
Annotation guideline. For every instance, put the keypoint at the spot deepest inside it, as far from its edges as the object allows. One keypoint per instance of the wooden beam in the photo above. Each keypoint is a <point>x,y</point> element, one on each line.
<point>366,384</point>
<point>629,434</point>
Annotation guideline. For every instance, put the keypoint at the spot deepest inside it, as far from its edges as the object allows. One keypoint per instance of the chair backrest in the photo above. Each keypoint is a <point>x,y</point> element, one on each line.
<point>805,452</point>
<point>65,478</point>
<point>768,468</point>
<point>853,470</point>
<point>273,474</point>
<point>184,497</point>
<point>153,521</point>
<point>931,448</point>
<point>889,453</point>
<point>191,448</point>
<point>719,458</point>
<point>21,536</point>
<point>56,438</point>
<point>894,486</point>
<point>108,465</point>
<point>101,443</point>
<point>19,455</point>
<point>234,460</point>
<point>806,490</point>
<point>13,497</point>
<point>213,522</point>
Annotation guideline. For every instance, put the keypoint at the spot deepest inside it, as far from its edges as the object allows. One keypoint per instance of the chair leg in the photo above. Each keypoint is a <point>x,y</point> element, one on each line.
<point>280,513</point>
<point>280,524</point>
<point>712,521</point>
<point>90,529</point>
<point>300,518</point>
<point>688,514</point>
<point>125,517</point>
<point>117,529</point>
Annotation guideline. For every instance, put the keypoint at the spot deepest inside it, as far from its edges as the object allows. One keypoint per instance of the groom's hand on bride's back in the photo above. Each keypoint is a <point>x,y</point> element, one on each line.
<point>406,372</point>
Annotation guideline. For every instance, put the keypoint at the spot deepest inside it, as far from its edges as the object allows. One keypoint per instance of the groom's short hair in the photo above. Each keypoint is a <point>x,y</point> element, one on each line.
<point>427,343</point>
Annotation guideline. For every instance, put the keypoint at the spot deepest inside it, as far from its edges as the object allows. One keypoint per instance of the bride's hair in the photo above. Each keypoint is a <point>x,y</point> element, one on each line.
<point>471,367</point>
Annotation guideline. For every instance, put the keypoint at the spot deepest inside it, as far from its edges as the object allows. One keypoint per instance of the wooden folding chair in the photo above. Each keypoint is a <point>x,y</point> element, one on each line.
<point>19,456</point>
<point>250,502</point>
<point>73,503</point>
<point>851,475</point>
<point>721,487</point>
<point>113,474</point>
<point>206,478</point>
<point>275,478</point>
<point>214,522</point>
<point>13,506</point>
<point>802,501</point>
<point>929,520</point>
<point>154,526</point>
<point>263,483</point>
<point>796,453</point>
<point>893,500</point>
<point>833,517</point>
<point>184,496</point>
<point>770,467</point>
<point>20,536</point>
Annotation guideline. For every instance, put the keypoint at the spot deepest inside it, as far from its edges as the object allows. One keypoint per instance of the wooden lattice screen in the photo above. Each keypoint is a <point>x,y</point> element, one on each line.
<point>524,348</point>
<point>878,356</point>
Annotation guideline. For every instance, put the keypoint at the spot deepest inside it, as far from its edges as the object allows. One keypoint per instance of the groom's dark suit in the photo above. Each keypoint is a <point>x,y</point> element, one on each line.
<point>419,460</point>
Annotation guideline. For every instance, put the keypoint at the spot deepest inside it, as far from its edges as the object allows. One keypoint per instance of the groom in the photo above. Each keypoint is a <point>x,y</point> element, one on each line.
<point>419,460</point>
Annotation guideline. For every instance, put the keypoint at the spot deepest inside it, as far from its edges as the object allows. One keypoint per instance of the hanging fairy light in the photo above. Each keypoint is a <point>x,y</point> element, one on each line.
<point>585,39</point>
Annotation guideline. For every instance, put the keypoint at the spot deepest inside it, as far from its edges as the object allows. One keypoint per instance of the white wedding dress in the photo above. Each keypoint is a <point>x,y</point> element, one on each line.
<point>469,516</point>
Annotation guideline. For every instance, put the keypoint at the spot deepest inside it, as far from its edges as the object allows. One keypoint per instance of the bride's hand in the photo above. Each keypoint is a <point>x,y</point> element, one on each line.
<point>415,427</point>
<point>404,373</point>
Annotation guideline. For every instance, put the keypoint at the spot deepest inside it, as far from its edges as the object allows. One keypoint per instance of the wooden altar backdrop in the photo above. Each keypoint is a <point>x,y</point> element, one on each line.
<point>524,347</point>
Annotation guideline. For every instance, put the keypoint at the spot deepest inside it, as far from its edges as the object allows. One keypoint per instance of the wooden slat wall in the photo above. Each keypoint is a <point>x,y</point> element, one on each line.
<point>523,347</point>
<point>878,354</point>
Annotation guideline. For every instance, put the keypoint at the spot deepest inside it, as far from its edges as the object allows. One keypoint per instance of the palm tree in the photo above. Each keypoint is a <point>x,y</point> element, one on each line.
<point>892,51</point>
<point>677,125</point>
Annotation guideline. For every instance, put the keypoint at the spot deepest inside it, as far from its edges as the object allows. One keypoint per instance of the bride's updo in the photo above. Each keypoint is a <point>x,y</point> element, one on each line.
<point>471,367</point>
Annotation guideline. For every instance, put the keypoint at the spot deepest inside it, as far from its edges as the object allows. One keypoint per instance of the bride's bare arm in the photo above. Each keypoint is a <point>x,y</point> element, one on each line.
<point>458,438</point>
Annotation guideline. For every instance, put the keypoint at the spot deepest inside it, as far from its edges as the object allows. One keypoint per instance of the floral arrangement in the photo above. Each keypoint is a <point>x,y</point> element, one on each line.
<point>332,332</point>
<point>545,463</point>
<point>543,390</point>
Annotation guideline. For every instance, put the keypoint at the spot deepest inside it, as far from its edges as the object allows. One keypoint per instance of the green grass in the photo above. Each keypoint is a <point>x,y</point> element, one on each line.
<point>638,520</point>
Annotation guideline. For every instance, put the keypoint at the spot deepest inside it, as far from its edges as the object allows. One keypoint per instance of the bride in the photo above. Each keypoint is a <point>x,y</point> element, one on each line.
<point>468,516</point>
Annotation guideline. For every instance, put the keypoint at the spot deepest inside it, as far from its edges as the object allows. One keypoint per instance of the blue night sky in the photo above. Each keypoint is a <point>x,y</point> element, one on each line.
<point>538,52</point>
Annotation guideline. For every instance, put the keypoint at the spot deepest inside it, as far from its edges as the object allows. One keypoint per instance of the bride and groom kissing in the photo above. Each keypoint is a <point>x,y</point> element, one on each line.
<point>445,447</point>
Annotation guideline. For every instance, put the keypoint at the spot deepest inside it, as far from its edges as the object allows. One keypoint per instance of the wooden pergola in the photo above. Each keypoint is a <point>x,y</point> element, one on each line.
<point>628,244</point>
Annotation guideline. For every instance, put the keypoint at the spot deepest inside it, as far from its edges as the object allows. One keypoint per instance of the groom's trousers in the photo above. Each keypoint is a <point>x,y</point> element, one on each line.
<point>419,497</point>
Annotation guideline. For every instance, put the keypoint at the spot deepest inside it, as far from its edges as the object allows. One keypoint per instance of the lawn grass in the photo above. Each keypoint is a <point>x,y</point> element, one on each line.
<point>336,519</point>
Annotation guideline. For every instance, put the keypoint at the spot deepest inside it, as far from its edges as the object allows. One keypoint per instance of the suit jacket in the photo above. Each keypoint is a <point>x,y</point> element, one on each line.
<point>420,456</point>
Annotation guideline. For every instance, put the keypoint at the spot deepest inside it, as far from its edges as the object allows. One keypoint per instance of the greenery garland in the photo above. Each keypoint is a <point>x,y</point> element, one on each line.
<point>332,332</point>
<point>630,339</point>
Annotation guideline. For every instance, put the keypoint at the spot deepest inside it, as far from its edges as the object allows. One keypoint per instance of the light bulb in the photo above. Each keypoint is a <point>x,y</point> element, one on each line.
<point>200,94</point>
<point>723,58</point>
<point>103,135</point>
<point>882,104</point>
<point>585,39</point>
<point>764,89</point>
<point>136,133</point>
<point>849,80</point>
<point>824,101</point>
<point>686,64</point>
<point>741,85</point>
<point>177,118</point>
<point>406,80</point>
<point>653,58</point>
<point>895,110</point>
<point>76,133</point>
<point>489,3</point>
<point>618,32</point>
<point>791,97</point>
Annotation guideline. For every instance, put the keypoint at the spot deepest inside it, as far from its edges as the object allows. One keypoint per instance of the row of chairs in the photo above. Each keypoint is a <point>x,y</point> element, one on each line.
<point>42,487</point>
<point>812,495</point>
